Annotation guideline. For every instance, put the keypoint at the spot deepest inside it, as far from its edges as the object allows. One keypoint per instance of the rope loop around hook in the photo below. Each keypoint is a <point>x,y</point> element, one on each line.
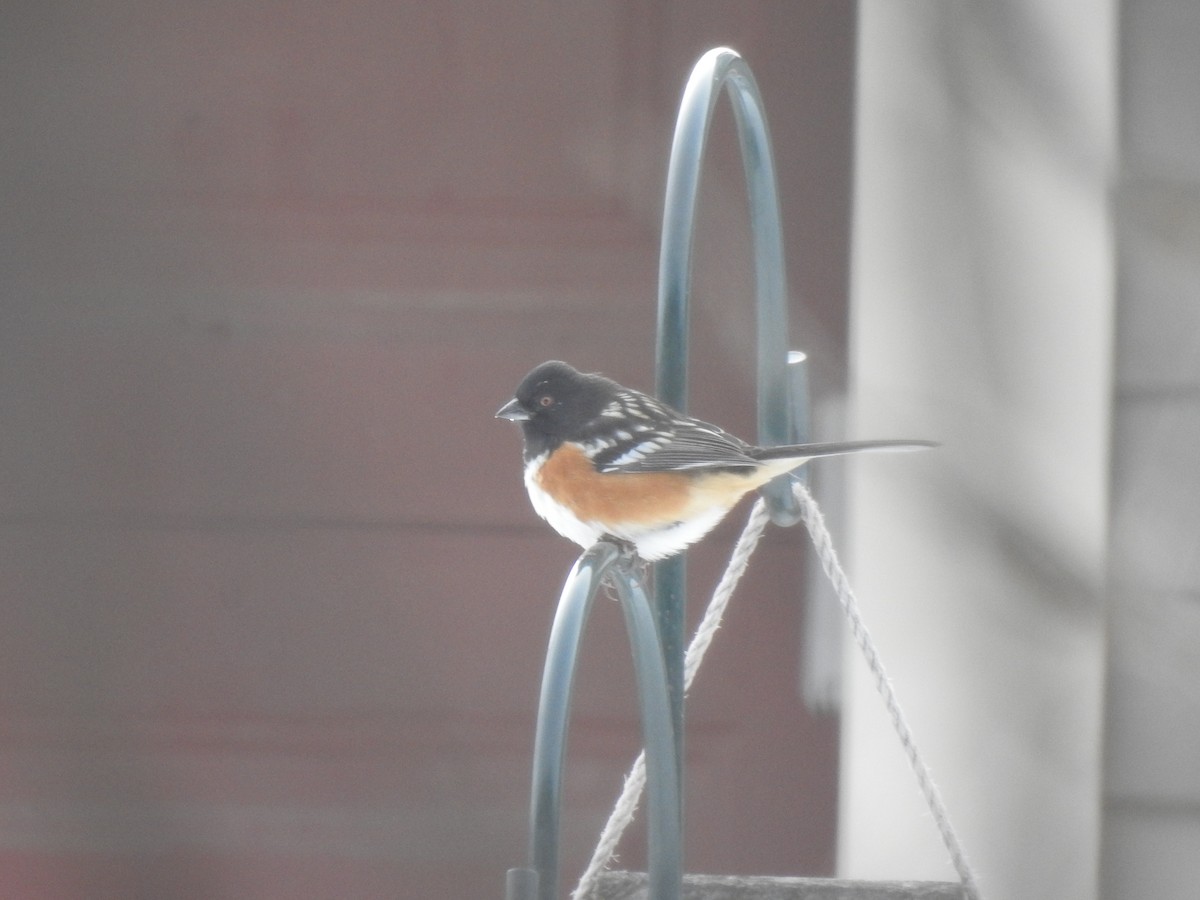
<point>814,521</point>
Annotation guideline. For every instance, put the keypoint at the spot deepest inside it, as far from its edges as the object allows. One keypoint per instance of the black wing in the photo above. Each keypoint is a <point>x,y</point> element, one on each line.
<point>684,445</point>
<point>637,433</point>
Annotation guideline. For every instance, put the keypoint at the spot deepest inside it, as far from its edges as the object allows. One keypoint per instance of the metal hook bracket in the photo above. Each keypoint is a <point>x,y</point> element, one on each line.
<point>777,417</point>
<point>782,390</point>
<point>658,648</point>
<point>540,880</point>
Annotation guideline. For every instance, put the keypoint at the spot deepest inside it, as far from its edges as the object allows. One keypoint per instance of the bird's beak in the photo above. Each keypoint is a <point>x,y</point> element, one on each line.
<point>513,411</point>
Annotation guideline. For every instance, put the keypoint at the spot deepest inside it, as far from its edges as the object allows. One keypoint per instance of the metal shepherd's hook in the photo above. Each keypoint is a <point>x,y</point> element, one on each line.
<point>658,651</point>
<point>782,394</point>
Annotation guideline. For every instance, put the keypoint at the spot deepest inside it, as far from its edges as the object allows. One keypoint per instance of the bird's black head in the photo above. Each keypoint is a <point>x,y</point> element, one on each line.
<point>555,403</point>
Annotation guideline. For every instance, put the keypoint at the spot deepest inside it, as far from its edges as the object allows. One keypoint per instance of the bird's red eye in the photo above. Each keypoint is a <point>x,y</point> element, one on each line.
<point>545,400</point>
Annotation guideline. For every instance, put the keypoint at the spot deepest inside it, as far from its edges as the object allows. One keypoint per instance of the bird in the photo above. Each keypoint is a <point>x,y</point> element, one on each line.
<point>606,462</point>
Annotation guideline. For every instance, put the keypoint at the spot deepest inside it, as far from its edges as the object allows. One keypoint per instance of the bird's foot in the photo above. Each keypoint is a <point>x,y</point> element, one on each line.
<point>628,560</point>
<point>628,549</point>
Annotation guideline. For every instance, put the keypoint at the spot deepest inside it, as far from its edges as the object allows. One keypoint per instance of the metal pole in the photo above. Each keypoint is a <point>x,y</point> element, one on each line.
<point>724,68</point>
<point>665,840</point>
<point>720,68</point>
<point>658,651</point>
<point>663,804</point>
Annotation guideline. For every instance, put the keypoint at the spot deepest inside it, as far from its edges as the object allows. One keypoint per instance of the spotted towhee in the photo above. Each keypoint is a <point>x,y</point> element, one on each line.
<point>605,461</point>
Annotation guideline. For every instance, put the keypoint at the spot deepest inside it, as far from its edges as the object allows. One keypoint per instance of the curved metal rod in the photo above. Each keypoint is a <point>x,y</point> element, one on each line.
<point>663,818</point>
<point>664,821</point>
<point>721,68</point>
<point>658,652</point>
<point>724,68</point>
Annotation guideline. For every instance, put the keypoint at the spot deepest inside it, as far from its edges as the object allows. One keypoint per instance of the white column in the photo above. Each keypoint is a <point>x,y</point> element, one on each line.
<point>982,304</point>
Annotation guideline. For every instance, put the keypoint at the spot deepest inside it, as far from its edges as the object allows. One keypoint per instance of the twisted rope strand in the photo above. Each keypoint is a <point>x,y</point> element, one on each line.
<point>814,521</point>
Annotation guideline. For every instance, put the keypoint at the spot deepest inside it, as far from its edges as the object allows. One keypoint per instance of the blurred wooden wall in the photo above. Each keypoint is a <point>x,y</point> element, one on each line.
<point>274,601</point>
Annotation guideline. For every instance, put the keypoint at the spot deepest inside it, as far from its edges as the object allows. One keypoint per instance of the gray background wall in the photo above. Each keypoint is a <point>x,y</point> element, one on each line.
<point>265,269</point>
<point>274,600</point>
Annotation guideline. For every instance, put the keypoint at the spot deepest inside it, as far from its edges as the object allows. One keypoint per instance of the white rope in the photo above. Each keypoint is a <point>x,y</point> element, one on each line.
<point>815,523</point>
<point>635,781</point>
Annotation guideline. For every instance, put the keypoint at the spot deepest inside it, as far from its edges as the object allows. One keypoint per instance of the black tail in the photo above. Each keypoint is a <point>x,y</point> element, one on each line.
<point>836,448</point>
